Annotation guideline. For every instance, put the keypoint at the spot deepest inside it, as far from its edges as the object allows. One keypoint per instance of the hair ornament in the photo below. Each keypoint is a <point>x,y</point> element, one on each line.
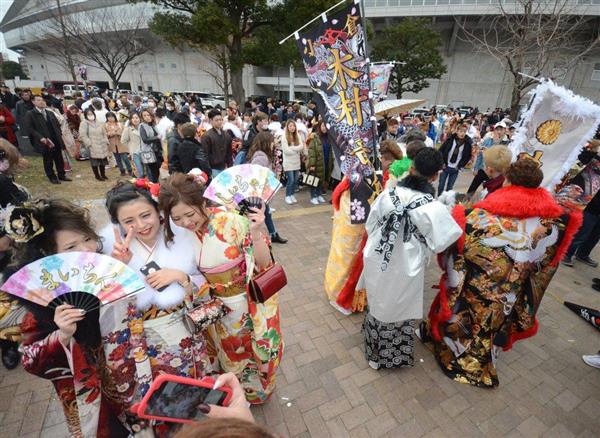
<point>20,223</point>
<point>146,184</point>
<point>200,177</point>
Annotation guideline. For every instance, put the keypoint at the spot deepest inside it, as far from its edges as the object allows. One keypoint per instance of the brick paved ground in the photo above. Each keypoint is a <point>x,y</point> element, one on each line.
<point>326,389</point>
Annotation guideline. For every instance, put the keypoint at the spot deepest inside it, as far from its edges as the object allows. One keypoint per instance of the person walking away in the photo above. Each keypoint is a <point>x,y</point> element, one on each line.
<point>132,141</point>
<point>456,152</point>
<point>174,139</point>
<point>217,144</point>
<point>93,135</point>
<point>114,131</point>
<point>261,154</point>
<point>292,148</point>
<point>163,126</point>
<point>73,121</point>
<point>317,165</point>
<point>43,129</point>
<point>190,152</point>
<point>260,122</point>
<point>7,98</point>
<point>589,234</point>
<point>21,108</point>
<point>99,109</point>
<point>405,228</point>
<point>151,150</point>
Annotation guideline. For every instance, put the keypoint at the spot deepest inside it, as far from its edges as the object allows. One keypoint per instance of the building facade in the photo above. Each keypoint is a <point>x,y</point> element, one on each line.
<point>472,78</point>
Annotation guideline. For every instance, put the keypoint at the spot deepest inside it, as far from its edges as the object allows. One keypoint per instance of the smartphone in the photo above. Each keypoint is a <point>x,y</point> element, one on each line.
<point>149,268</point>
<point>176,399</point>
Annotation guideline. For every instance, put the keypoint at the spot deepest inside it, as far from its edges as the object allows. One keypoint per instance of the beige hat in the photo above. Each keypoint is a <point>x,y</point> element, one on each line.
<point>498,157</point>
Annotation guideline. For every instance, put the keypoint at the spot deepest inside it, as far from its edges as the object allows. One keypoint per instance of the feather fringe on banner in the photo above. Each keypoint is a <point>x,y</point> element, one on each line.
<point>551,102</point>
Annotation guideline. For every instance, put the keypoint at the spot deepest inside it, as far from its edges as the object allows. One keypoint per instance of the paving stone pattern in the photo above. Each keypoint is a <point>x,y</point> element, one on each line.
<point>326,389</point>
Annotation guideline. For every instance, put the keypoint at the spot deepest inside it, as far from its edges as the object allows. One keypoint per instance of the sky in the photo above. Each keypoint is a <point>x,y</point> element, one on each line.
<point>4,5</point>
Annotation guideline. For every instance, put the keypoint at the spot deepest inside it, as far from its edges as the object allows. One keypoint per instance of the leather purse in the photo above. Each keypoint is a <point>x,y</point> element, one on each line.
<point>198,318</point>
<point>266,284</point>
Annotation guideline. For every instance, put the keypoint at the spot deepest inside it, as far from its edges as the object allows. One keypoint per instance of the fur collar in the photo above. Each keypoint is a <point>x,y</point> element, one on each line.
<point>521,202</point>
<point>417,183</point>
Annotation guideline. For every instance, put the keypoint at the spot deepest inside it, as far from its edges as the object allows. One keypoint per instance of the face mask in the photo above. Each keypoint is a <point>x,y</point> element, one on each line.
<point>91,118</point>
<point>151,104</point>
<point>4,165</point>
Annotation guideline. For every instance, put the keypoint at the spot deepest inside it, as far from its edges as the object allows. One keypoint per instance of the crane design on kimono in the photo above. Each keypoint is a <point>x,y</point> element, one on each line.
<point>522,245</point>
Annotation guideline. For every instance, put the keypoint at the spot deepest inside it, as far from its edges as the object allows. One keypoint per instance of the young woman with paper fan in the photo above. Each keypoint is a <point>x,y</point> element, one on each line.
<point>60,342</point>
<point>231,246</point>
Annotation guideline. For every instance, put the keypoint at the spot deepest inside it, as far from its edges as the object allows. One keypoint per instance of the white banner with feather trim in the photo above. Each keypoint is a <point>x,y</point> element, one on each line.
<point>554,129</point>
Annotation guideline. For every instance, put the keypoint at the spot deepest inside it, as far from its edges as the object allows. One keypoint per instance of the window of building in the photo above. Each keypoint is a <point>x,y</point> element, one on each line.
<point>173,65</point>
<point>31,67</point>
<point>161,65</point>
<point>42,66</point>
<point>596,72</point>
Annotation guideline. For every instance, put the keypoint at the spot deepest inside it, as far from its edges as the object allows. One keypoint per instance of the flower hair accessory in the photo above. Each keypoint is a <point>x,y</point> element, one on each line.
<point>20,223</point>
<point>153,188</point>
<point>199,176</point>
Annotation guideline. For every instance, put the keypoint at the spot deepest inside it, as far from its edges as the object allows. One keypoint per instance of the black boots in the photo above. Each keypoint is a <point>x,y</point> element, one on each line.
<point>99,173</point>
<point>103,173</point>
<point>276,238</point>
<point>10,354</point>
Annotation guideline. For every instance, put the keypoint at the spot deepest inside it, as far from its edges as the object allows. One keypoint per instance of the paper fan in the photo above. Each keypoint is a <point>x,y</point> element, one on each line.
<point>237,183</point>
<point>85,280</point>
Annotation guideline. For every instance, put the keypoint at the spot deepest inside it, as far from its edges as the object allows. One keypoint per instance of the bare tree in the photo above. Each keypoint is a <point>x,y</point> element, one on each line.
<point>220,58</point>
<point>531,37</point>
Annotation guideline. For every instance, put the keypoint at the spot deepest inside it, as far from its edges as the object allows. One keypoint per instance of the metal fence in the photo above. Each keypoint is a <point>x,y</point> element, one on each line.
<point>395,3</point>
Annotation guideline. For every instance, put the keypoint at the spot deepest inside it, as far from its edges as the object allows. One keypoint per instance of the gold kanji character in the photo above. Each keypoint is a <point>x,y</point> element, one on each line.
<point>309,48</point>
<point>340,70</point>
<point>47,280</point>
<point>351,25</point>
<point>346,109</point>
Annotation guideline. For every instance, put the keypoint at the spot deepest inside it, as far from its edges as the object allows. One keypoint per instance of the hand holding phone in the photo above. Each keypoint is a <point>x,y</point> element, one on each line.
<point>150,268</point>
<point>238,406</point>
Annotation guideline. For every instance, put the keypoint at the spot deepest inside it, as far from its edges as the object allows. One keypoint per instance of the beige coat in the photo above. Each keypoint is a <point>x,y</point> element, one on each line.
<point>93,136</point>
<point>131,140</point>
<point>113,132</point>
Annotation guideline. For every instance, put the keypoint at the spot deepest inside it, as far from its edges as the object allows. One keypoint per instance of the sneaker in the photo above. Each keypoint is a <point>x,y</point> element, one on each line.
<point>276,238</point>
<point>596,280</point>
<point>294,200</point>
<point>289,201</point>
<point>374,365</point>
<point>567,261</point>
<point>418,333</point>
<point>314,201</point>
<point>596,287</point>
<point>587,260</point>
<point>592,360</point>
<point>321,200</point>
<point>272,210</point>
<point>340,309</point>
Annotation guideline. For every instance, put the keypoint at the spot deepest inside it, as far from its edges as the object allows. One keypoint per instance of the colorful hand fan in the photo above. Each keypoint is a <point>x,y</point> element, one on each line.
<point>85,280</point>
<point>233,185</point>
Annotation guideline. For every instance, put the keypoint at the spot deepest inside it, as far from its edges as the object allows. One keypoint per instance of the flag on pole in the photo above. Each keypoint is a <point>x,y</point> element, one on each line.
<point>333,52</point>
<point>554,130</point>
<point>380,80</point>
<point>590,315</point>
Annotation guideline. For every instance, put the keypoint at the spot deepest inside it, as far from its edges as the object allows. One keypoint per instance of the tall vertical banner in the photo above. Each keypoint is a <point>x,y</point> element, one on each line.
<point>380,79</point>
<point>334,55</point>
<point>554,130</point>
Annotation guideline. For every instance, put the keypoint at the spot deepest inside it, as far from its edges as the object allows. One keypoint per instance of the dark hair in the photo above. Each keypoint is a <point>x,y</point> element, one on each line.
<point>159,112</point>
<point>428,162</point>
<point>393,122</point>
<point>180,187</point>
<point>224,428</point>
<point>213,113</point>
<point>413,134</point>
<point>89,110</point>
<point>262,142</point>
<point>123,193</point>
<point>111,114</point>
<point>414,147</point>
<point>259,116</point>
<point>525,172</point>
<point>180,119</point>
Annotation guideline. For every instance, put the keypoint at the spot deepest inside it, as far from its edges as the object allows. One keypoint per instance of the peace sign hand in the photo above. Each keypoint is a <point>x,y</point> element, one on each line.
<point>121,249</point>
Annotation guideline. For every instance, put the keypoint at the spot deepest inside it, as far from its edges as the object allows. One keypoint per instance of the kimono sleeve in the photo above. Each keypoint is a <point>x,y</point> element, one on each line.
<point>436,224</point>
<point>380,207</point>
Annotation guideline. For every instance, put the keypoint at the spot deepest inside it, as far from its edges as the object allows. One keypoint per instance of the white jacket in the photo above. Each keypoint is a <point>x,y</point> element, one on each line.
<point>291,154</point>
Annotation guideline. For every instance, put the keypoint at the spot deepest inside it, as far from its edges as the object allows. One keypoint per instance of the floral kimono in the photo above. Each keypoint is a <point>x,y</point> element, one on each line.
<point>248,339</point>
<point>495,279</point>
<point>405,227</point>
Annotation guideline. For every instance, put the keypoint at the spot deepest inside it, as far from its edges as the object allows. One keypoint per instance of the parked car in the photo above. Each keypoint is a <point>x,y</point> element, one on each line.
<point>209,100</point>
<point>419,112</point>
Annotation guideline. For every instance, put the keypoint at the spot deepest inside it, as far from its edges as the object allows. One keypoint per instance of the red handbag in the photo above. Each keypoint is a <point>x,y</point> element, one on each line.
<point>266,284</point>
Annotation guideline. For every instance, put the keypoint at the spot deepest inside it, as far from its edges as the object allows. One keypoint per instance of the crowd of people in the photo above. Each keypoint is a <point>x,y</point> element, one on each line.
<point>489,292</point>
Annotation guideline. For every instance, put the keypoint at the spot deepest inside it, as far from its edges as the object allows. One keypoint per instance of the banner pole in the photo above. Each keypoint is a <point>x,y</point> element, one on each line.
<point>311,21</point>
<point>376,161</point>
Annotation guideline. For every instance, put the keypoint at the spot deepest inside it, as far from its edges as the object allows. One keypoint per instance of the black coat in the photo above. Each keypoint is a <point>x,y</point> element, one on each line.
<point>192,155</point>
<point>466,153</point>
<point>37,128</point>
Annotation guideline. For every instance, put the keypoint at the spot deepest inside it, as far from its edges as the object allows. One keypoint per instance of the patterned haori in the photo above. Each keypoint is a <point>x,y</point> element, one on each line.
<point>389,344</point>
<point>248,339</point>
<point>495,279</point>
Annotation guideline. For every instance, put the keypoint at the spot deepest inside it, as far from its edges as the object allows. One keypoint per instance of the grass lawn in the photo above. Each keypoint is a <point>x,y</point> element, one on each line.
<point>83,188</point>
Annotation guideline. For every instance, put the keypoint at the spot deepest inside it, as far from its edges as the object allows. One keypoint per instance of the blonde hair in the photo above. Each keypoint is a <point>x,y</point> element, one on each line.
<point>291,137</point>
<point>498,157</point>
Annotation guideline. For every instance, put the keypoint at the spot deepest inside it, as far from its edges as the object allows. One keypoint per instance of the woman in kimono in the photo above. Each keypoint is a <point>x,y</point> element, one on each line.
<point>496,275</point>
<point>405,227</point>
<point>63,347</point>
<point>232,249</point>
